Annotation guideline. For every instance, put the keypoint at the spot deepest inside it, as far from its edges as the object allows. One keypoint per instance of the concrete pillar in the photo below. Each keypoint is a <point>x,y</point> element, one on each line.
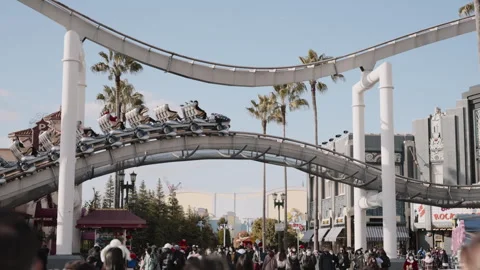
<point>66,176</point>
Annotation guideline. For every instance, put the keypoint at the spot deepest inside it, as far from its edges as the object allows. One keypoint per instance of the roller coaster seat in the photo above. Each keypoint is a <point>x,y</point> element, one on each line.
<point>134,118</point>
<point>164,114</point>
<point>105,124</point>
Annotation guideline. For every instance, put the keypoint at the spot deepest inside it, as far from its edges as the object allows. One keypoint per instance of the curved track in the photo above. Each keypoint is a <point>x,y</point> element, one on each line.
<point>232,75</point>
<point>238,146</point>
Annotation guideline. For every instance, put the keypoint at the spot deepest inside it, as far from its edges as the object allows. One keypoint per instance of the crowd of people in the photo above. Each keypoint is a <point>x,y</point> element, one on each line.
<point>21,250</point>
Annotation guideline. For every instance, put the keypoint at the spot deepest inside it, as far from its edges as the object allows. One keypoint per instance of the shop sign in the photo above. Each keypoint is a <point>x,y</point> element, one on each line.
<point>419,213</point>
<point>442,215</point>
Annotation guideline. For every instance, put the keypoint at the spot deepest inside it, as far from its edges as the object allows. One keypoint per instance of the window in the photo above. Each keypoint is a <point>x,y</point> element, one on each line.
<point>341,189</point>
<point>437,173</point>
<point>328,189</point>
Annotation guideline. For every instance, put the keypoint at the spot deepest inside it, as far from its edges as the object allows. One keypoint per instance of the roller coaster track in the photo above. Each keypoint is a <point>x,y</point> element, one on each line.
<point>233,75</point>
<point>237,146</point>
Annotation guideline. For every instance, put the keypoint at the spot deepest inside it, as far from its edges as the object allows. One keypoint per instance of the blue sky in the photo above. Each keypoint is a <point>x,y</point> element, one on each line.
<point>262,33</point>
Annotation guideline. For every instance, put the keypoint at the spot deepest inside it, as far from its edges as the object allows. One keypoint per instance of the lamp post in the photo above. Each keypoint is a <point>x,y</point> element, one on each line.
<point>120,181</point>
<point>279,203</point>
<point>224,227</point>
<point>129,187</point>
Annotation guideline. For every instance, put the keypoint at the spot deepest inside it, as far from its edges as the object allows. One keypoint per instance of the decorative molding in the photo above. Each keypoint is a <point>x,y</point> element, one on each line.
<point>376,157</point>
<point>436,141</point>
<point>476,123</point>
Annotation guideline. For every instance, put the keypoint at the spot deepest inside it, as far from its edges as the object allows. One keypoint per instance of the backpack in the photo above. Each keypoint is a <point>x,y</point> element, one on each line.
<point>386,261</point>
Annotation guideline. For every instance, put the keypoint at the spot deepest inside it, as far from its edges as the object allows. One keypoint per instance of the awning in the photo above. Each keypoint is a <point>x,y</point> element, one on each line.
<point>333,234</point>
<point>375,233</point>
<point>308,235</point>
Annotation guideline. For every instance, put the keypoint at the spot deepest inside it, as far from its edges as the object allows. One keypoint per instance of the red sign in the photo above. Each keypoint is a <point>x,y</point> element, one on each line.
<point>444,216</point>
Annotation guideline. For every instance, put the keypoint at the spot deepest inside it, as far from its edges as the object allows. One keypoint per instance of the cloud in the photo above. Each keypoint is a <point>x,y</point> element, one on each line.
<point>8,115</point>
<point>5,93</point>
<point>5,142</point>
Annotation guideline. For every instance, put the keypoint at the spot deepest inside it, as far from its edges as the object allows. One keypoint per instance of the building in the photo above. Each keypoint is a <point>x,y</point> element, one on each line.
<point>447,151</point>
<point>336,200</point>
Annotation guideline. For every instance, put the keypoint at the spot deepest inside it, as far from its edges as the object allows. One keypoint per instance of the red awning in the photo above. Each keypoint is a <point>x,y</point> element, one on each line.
<point>111,218</point>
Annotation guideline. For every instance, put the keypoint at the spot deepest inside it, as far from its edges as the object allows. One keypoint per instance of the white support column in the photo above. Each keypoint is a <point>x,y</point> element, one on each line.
<point>66,177</point>
<point>360,219</point>
<point>382,74</point>
<point>388,163</point>
<point>80,117</point>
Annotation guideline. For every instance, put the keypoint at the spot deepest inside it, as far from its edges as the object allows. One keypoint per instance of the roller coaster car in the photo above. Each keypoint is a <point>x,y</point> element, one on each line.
<point>198,120</point>
<point>49,142</point>
<point>26,156</point>
<point>116,131</point>
<point>88,140</point>
<point>139,119</point>
<point>6,167</point>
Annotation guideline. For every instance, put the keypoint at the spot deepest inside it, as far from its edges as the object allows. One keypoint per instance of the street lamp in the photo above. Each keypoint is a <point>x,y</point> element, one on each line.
<point>126,187</point>
<point>279,203</point>
<point>120,181</point>
<point>224,227</point>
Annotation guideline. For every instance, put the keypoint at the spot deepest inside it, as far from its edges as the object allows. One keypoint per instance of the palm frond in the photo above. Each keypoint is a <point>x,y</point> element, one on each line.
<point>466,10</point>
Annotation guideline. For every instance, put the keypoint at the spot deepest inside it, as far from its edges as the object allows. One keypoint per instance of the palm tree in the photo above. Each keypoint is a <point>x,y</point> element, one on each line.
<point>288,96</point>
<point>469,9</point>
<point>313,57</point>
<point>115,65</point>
<point>466,10</point>
<point>127,96</point>
<point>265,111</point>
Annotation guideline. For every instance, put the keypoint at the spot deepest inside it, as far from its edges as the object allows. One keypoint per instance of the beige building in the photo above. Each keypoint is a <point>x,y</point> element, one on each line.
<point>246,205</point>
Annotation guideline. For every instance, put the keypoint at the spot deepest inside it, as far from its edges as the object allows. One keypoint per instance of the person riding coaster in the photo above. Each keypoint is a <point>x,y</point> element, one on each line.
<point>139,119</point>
<point>199,119</point>
<point>116,130</point>
<point>26,155</point>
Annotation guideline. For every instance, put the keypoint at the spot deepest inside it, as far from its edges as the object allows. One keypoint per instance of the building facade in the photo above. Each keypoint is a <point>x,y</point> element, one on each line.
<point>336,200</point>
<point>447,147</point>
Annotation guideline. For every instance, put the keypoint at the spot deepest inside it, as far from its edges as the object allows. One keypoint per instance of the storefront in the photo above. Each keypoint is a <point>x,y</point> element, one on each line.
<point>433,225</point>
<point>102,225</point>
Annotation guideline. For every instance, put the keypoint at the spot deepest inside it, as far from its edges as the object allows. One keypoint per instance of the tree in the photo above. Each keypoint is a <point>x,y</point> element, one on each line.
<point>263,110</point>
<point>128,97</point>
<point>271,237</point>
<point>466,10</point>
<point>313,57</point>
<point>228,237</point>
<point>115,65</point>
<point>288,97</point>
<point>109,195</point>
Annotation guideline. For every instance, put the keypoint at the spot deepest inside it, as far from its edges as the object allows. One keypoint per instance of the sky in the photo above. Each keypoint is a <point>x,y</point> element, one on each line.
<point>251,33</point>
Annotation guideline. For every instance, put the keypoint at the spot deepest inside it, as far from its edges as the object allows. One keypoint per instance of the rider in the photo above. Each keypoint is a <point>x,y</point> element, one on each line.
<point>114,121</point>
<point>23,149</point>
<point>173,115</point>
<point>199,113</point>
<point>86,131</point>
<point>145,118</point>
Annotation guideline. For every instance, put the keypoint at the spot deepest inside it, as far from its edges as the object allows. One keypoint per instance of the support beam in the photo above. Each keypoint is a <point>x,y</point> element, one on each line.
<point>383,75</point>
<point>66,181</point>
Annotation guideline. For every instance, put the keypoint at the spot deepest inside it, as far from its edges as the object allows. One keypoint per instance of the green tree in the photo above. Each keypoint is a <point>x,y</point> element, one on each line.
<point>228,237</point>
<point>288,98</point>
<point>142,210</point>
<point>109,194</point>
<point>466,10</point>
<point>263,110</point>
<point>129,98</point>
<point>271,237</point>
<point>115,65</point>
<point>176,217</point>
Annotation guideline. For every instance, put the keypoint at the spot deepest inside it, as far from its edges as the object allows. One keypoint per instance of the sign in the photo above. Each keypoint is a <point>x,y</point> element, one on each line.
<point>298,226</point>
<point>446,215</point>
<point>279,227</point>
<point>326,221</point>
<point>340,220</point>
<point>419,213</point>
